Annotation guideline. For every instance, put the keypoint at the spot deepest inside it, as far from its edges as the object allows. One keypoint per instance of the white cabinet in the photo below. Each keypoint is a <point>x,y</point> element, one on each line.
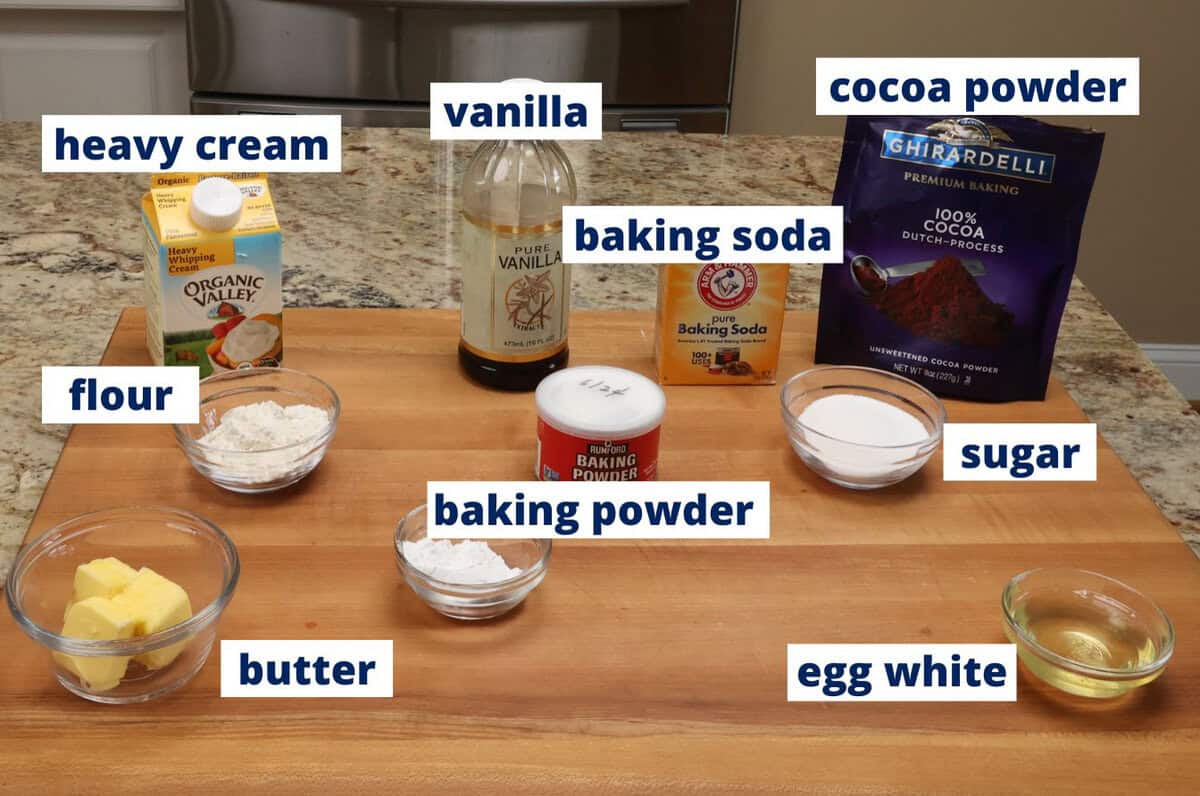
<point>56,58</point>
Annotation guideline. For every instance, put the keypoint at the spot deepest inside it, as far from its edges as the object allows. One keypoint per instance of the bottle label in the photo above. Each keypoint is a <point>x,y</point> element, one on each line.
<point>566,457</point>
<point>515,291</point>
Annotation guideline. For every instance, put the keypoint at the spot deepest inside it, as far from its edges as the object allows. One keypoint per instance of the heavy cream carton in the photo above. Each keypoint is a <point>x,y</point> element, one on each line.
<point>720,323</point>
<point>214,272</point>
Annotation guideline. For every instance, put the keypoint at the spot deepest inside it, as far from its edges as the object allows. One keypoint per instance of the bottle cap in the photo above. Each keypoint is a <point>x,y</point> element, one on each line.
<point>216,204</point>
<point>600,402</point>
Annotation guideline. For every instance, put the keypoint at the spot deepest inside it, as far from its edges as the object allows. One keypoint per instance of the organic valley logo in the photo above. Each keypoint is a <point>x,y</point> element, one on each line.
<point>968,145</point>
<point>240,289</point>
<point>527,301</point>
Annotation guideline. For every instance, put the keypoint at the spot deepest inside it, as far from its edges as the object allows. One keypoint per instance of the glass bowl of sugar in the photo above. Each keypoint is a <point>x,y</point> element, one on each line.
<point>468,578</point>
<point>861,428</point>
<point>260,429</point>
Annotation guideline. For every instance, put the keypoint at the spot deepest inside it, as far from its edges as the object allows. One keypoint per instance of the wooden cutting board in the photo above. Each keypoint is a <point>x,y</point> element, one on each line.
<point>636,665</point>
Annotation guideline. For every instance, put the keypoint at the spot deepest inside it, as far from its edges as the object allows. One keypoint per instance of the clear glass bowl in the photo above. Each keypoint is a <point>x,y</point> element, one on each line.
<point>854,464</point>
<point>176,544</point>
<point>484,601</point>
<point>265,470</point>
<point>1085,633</point>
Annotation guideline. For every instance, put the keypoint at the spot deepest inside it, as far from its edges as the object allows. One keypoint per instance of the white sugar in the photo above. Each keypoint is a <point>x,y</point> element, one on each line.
<point>861,438</point>
<point>863,420</point>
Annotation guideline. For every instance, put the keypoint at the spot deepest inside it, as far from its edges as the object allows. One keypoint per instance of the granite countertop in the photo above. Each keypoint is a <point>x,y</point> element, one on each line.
<point>379,235</point>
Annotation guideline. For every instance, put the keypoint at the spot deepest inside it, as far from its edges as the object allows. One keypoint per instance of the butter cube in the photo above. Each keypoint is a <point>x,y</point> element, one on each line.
<point>156,604</point>
<point>103,577</point>
<point>97,618</point>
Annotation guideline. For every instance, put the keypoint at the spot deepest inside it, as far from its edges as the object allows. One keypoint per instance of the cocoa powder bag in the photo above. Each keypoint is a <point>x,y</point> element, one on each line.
<point>960,242</point>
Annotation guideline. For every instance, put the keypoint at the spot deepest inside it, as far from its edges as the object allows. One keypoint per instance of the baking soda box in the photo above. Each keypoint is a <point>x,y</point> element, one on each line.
<point>720,323</point>
<point>213,272</point>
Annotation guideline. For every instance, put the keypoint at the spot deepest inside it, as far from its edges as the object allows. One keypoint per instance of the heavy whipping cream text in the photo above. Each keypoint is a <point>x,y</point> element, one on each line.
<point>598,423</point>
<point>185,259</point>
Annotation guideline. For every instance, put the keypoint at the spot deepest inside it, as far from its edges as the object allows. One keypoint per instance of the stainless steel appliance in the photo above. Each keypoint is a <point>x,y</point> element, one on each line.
<point>665,64</point>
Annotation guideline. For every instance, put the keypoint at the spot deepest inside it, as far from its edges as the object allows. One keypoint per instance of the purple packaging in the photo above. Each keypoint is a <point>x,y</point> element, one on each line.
<point>960,242</point>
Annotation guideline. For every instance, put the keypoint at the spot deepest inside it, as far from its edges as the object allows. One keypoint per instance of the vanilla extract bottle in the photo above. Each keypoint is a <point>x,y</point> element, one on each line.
<point>516,290</point>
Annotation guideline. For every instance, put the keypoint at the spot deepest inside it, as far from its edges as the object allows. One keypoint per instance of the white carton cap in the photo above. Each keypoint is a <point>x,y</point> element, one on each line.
<point>600,402</point>
<point>216,204</point>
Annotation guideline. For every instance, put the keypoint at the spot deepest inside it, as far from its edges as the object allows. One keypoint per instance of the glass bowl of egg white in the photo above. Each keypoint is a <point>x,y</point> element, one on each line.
<point>861,428</point>
<point>468,578</point>
<point>261,429</point>
<point>126,601</point>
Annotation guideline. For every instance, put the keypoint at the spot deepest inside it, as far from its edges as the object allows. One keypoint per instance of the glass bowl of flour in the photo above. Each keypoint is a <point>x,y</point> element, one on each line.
<point>468,578</point>
<point>861,428</point>
<point>260,429</point>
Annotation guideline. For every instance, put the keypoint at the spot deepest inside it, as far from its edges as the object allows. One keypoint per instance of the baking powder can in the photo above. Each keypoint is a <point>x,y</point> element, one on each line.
<point>598,423</point>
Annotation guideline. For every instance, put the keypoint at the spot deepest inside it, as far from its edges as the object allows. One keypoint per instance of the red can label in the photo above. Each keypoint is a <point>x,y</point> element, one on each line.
<point>565,457</point>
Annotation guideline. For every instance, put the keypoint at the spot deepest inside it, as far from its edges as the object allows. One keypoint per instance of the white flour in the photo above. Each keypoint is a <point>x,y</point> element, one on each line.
<point>467,562</point>
<point>261,427</point>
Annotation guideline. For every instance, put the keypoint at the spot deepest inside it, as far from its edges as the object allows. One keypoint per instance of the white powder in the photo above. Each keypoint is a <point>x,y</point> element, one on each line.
<point>867,421</point>
<point>250,340</point>
<point>257,427</point>
<point>854,420</point>
<point>261,427</point>
<point>466,562</point>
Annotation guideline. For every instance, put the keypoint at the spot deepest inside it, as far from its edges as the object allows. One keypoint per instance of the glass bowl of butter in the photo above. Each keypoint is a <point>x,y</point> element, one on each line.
<point>468,578</point>
<point>125,601</point>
